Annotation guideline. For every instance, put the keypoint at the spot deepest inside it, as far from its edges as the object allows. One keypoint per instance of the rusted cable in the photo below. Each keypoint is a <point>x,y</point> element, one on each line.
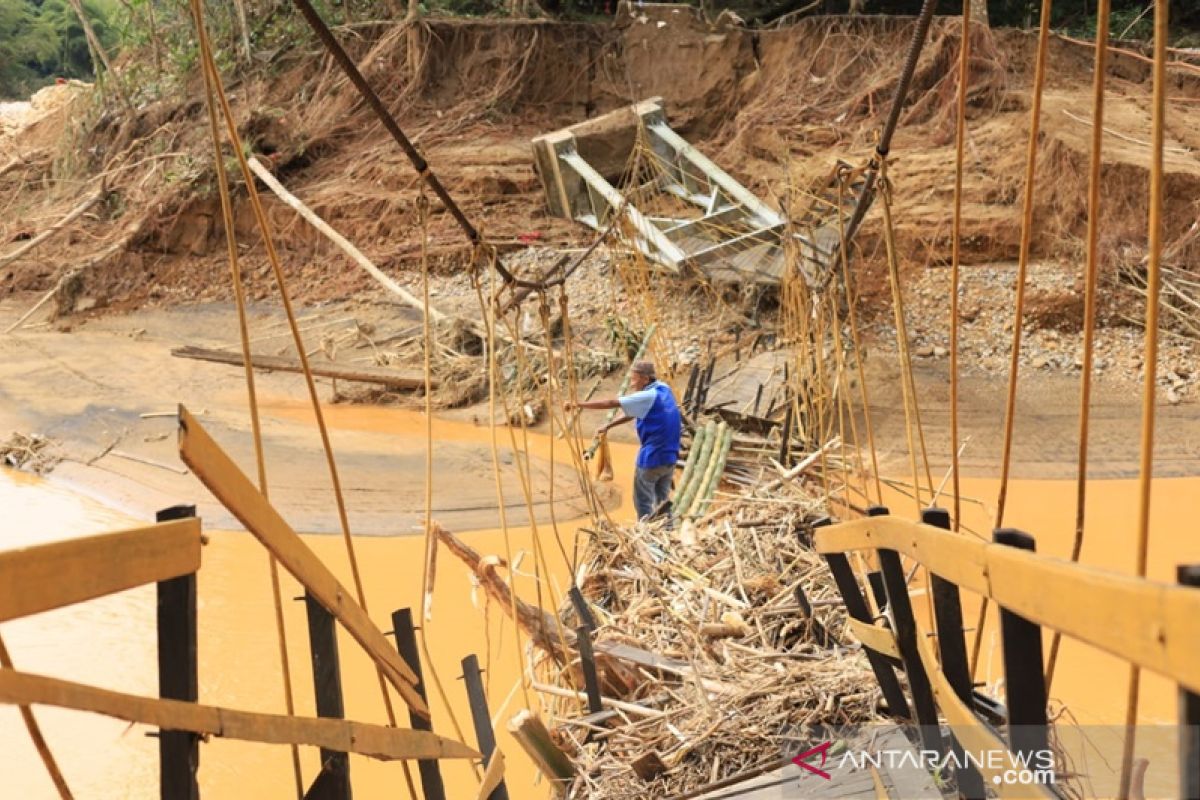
<point>1092,271</point>
<point>1153,281</point>
<point>915,46</point>
<point>389,122</point>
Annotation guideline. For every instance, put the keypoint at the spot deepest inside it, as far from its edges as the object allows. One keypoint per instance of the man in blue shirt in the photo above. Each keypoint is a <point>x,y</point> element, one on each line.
<point>652,406</point>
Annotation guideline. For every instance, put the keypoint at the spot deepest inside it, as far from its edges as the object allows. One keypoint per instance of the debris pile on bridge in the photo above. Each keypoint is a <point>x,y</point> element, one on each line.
<point>746,629</point>
<point>715,642</point>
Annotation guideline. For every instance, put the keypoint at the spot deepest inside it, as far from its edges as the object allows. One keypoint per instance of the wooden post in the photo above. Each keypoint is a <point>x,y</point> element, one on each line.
<point>1024,668</point>
<point>757,400</point>
<point>485,737</point>
<point>785,450</point>
<point>820,635</point>
<point>691,387</point>
<point>705,385</point>
<point>582,608</point>
<point>406,643</point>
<point>856,607</point>
<point>333,782</point>
<point>906,641</point>
<point>947,607</point>
<point>178,679</point>
<point>1189,715</point>
<point>875,581</point>
<point>587,660</point>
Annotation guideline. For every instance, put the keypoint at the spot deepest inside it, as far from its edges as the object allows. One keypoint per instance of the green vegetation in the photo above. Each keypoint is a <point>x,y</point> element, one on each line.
<point>41,40</point>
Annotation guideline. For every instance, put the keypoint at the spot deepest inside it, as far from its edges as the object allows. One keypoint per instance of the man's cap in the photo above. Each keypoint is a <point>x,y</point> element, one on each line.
<point>643,368</point>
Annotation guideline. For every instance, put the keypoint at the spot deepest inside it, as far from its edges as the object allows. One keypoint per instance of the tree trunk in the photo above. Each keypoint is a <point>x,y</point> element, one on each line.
<point>100,57</point>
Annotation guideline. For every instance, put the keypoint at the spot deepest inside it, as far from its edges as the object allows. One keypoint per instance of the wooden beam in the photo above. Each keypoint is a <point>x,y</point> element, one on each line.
<point>874,637</point>
<point>235,491</point>
<point>375,741</point>
<point>54,575</point>
<point>972,734</point>
<point>1151,624</point>
<point>393,378</point>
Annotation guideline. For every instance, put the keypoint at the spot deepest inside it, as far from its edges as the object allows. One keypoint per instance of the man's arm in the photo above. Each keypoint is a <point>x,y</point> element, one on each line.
<point>615,423</point>
<point>601,405</point>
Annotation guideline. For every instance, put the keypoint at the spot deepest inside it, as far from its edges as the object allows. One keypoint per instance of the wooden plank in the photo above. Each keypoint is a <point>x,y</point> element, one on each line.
<point>874,637</point>
<point>973,735</point>
<point>394,378</point>
<point>53,575</point>
<point>374,741</point>
<point>1147,623</point>
<point>235,491</point>
<point>956,557</point>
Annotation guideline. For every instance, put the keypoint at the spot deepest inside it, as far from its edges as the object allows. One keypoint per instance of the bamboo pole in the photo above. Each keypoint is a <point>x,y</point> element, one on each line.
<point>531,734</point>
<point>72,215</point>
<point>343,244</point>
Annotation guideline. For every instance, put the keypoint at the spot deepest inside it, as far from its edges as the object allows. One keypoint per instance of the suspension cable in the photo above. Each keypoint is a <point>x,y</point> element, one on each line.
<point>35,734</point>
<point>277,269</point>
<point>1153,285</point>
<point>960,135</point>
<point>1089,307</point>
<point>1035,118</point>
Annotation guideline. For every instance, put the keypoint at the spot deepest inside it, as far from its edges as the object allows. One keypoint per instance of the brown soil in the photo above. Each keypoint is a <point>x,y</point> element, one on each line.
<point>776,108</point>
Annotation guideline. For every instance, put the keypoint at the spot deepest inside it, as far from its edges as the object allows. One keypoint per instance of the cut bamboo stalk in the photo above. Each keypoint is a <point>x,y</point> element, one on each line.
<point>350,250</point>
<point>533,737</point>
<point>714,478</point>
<point>714,433</point>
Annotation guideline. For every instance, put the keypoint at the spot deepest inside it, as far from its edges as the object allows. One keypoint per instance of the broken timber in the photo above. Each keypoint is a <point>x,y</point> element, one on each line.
<point>727,232</point>
<point>392,378</point>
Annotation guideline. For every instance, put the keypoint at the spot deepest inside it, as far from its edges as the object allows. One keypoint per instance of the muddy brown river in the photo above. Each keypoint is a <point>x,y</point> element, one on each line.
<point>110,642</point>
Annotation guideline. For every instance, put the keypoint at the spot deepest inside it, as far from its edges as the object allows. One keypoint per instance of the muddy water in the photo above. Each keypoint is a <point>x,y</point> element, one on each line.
<point>110,642</point>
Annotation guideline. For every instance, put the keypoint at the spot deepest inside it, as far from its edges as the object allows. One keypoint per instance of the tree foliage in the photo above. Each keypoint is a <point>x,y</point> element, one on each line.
<point>41,40</point>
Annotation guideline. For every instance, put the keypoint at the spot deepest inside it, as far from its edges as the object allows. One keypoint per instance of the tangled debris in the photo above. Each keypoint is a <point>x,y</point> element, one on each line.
<point>715,642</point>
<point>31,452</point>
<point>742,665</point>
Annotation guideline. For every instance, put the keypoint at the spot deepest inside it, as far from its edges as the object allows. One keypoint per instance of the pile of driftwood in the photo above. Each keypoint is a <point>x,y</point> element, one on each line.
<point>747,627</point>
<point>691,655</point>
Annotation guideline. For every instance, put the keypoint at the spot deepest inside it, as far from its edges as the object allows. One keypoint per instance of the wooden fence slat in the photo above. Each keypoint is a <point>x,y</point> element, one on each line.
<point>375,741</point>
<point>230,485</point>
<point>1151,624</point>
<point>974,736</point>
<point>874,637</point>
<point>53,575</point>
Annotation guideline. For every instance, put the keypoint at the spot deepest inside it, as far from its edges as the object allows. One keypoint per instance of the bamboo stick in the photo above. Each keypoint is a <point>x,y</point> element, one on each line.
<point>533,737</point>
<point>70,217</point>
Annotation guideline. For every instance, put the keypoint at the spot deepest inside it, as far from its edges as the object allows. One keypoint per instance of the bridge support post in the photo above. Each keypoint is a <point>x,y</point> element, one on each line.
<point>178,679</point>
<point>1024,669</point>
<point>906,641</point>
<point>333,782</point>
<point>406,643</point>
<point>947,608</point>
<point>856,607</point>
<point>485,737</point>
<point>1189,715</point>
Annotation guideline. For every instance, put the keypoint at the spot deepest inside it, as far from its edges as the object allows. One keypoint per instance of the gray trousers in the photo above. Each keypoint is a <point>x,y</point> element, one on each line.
<point>651,488</point>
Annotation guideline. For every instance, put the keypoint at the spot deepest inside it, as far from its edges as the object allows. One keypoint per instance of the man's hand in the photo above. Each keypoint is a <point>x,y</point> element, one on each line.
<point>570,405</point>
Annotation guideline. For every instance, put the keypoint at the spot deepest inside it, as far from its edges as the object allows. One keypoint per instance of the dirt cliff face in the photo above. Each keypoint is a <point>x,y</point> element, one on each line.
<point>776,108</point>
